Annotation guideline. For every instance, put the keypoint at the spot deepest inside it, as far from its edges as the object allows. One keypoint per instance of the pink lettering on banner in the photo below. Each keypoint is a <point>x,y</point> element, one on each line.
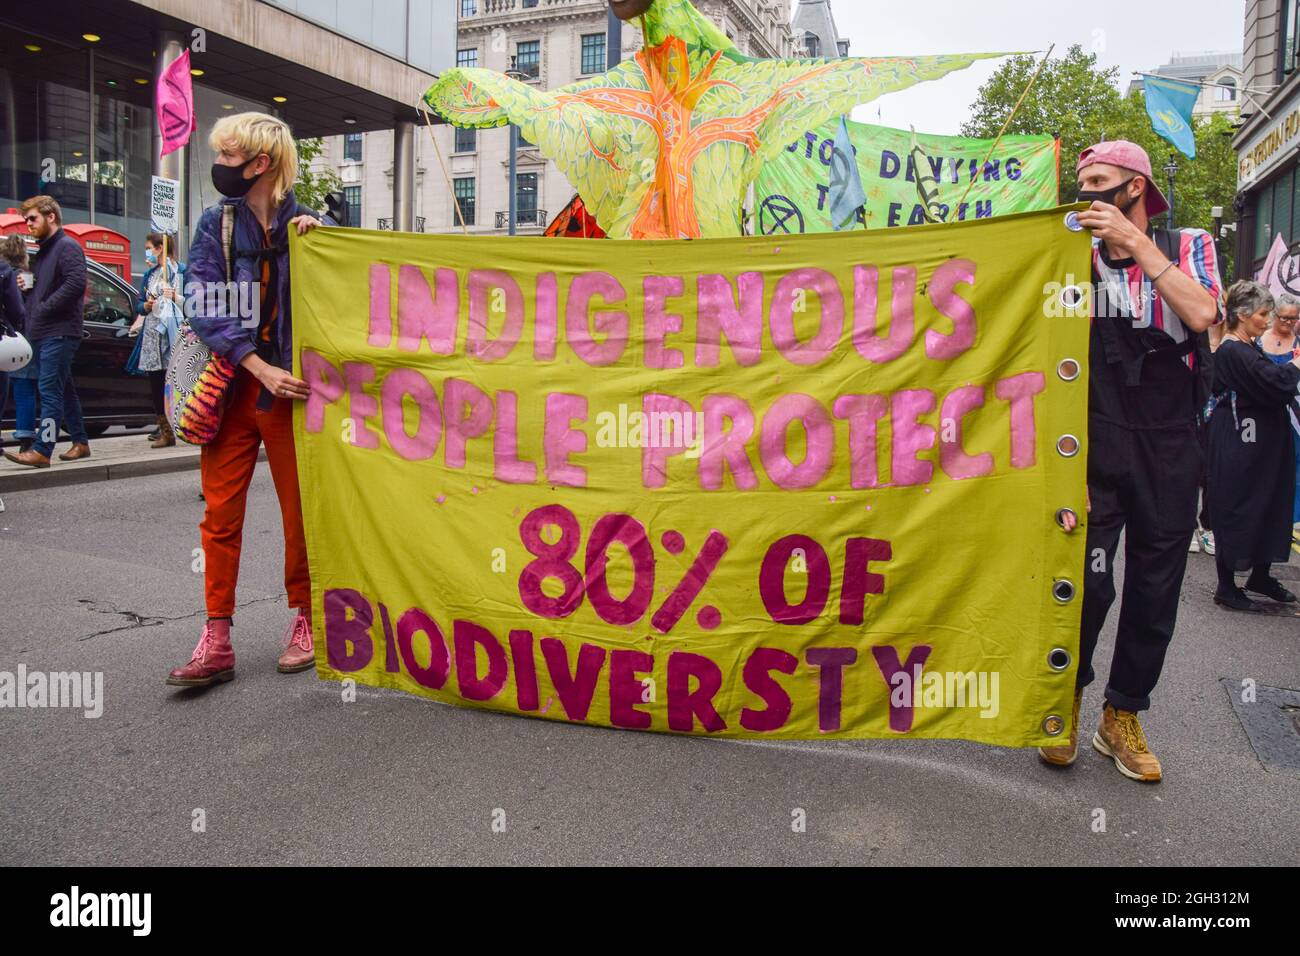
<point>381,306</point>
<point>684,704</point>
<point>659,323</point>
<point>391,657</point>
<point>902,322</point>
<point>626,690</point>
<point>560,439</point>
<point>398,385</point>
<point>484,286</point>
<point>1019,391</point>
<point>434,675</point>
<point>361,404</point>
<point>831,662</point>
<point>468,638</point>
<point>717,314</point>
<point>327,387</point>
<point>578,324</point>
<point>784,336</point>
<point>469,413</point>
<point>661,442</point>
<point>505,444</point>
<point>943,295</point>
<point>722,445</point>
<point>862,412</point>
<point>759,680</point>
<point>900,714</point>
<point>521,653</point>
<point>859,579</point>
<point>546,317</point>
<point>772,574</point>
<point>421,314</point>
<point>954,461</point>
<point>819,441</point>
<point>348,617</point>
<point>911,437</point>
<point>575,689</point>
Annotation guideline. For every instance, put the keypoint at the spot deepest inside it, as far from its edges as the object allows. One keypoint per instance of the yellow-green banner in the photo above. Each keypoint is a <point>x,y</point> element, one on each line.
<point>800,487</point>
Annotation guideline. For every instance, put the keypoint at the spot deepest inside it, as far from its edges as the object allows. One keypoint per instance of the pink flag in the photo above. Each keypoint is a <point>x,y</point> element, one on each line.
<point>174,104</point>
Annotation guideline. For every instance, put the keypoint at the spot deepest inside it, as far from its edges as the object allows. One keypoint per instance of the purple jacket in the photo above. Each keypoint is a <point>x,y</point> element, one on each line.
<point>229,335</point>
<point>56,305</point>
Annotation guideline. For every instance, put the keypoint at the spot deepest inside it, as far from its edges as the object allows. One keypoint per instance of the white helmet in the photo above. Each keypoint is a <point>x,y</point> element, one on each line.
<point>15,351</point>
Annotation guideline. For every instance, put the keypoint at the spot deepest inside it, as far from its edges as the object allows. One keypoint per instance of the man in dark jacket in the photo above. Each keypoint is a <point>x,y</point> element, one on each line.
<point>54,321</point>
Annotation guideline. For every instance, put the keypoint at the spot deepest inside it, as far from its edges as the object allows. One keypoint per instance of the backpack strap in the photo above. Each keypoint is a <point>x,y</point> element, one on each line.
<point>228,238</point>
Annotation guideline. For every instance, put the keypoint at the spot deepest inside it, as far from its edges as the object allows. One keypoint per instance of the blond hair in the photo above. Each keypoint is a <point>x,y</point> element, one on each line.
<point>256,133</point>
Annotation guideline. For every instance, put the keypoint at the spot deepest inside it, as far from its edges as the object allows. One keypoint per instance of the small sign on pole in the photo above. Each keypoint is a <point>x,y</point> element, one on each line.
<point>164,211</point>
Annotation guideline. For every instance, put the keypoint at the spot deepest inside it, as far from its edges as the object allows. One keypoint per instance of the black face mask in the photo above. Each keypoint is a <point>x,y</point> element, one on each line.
<point>230,180</point>
<point>1108,196</point>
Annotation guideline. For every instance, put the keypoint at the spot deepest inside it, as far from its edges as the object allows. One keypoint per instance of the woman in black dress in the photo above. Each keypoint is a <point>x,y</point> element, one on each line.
<point>1251,481</point>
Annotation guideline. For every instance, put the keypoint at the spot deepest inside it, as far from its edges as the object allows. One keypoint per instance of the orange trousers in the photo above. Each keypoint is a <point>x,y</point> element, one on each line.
<point>227,464</point>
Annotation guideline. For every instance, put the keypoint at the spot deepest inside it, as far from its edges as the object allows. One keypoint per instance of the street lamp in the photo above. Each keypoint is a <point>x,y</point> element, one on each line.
<point>1171,170</point>
<point>514,171</point>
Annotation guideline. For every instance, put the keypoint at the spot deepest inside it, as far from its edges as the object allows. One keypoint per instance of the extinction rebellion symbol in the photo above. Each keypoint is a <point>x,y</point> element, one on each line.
<point>776,213</point>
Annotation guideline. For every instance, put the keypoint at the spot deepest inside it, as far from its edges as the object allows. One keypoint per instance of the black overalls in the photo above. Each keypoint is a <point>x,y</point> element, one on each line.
<point>1144,475</point>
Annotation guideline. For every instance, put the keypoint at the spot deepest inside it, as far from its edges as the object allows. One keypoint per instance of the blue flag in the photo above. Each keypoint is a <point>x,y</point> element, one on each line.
<point>1170,104</point>
<point>847,194</point>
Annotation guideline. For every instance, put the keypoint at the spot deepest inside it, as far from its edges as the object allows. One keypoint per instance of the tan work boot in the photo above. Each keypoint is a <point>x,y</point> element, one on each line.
<point>167,438</point>
<point>1064,754</point>
<point>78,451</point>
<point>1120,737</point>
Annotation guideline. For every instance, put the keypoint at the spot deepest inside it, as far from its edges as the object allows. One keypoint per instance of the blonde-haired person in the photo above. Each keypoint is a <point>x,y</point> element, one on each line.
<point>255,168</point>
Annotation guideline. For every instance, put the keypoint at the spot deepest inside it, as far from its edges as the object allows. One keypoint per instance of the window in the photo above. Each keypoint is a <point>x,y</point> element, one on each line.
<point>528,58</point>
<point>529,3</point>
<point>526,197</point>
<point>352,148</point>
<point>105,302</point>
<point>1224,95</point>
<point>466,140</point>
<point>1286,46</point>
<point>352,205</point>
<point>464,191</point>
<point>468,8</point>
<point>812,45</point>
<point>467,57</point>
<point>593,52</point>
<point>522,140</point>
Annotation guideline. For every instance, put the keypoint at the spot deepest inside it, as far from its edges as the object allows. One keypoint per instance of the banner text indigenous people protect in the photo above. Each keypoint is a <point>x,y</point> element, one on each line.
<point>802,487</point>
<point>793,190</point>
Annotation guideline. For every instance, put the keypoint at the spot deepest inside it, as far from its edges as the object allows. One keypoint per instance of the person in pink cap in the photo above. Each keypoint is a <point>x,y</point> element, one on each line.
<point>1156,292</point>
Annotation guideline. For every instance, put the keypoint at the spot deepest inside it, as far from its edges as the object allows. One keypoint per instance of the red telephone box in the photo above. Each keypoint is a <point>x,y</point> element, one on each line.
<point>105,246</point>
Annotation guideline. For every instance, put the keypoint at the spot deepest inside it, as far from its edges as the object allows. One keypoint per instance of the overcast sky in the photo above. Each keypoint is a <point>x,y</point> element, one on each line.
<point>1133,35</point>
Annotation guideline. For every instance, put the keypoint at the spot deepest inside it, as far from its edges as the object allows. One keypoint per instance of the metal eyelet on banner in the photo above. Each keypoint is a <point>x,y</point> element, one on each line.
<point>1058,659</point>
<point>1061,514</point>
<point>1063,590</point>
<point>1053,725</point>
<point>1068,369</point>
<point>1072,222</point>
<point>1071,296</point>
<point>1067,446</point>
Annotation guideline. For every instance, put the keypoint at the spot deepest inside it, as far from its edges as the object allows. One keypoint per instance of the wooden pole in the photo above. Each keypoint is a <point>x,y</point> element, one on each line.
<point>445,175</point>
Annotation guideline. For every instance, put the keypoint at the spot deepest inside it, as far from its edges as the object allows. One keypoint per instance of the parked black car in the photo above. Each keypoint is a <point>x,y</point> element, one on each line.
<point>108,395</point>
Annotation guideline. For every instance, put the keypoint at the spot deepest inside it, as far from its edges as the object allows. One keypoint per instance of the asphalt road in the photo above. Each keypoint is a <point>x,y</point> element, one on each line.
<point>98,578</point>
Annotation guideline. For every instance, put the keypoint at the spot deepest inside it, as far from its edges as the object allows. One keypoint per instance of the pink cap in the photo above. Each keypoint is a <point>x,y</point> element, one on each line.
<point>1130,156</point>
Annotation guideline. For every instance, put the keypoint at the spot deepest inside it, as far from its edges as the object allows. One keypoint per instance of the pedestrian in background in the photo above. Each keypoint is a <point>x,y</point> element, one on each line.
<point>1279,343</point>
<point>159,318</point>
<point>1157,293</point>
<point>13,315</point>
<point>256,166</point>
<point>54,325</point>
<point>1252,453</point>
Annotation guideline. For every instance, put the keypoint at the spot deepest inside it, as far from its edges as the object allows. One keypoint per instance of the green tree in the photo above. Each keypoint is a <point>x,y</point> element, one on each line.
<point>313,186</point>
<point>1077,100</point>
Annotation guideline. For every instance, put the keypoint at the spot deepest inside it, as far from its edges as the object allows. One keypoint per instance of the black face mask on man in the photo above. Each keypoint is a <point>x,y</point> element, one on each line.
<point>1108,196</point>
<point>230,181</point>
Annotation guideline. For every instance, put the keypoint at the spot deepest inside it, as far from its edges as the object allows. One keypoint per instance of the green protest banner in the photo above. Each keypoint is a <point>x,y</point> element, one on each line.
<point>792,192</point>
